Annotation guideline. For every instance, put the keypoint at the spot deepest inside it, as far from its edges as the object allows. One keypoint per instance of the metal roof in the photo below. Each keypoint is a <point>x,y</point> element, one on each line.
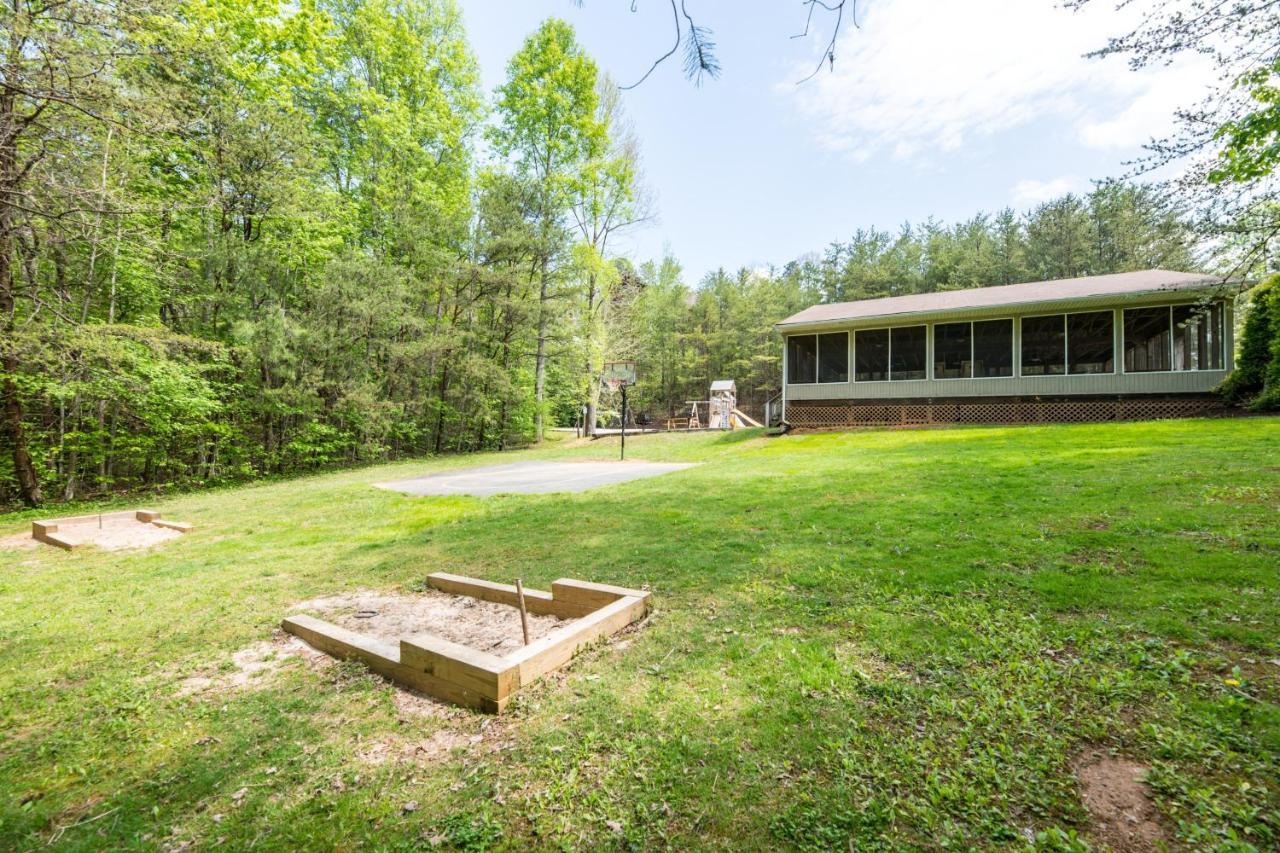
<point>1060,290</point>
<point>724,385</point>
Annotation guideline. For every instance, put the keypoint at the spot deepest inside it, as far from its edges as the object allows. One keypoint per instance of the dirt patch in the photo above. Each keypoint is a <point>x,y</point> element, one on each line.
<point>410,704</point>
<point>254,665</point>
<point>483,625</point>
<point>439,745</point>
<point>18,542</point>
<point>1119,802</point>
<point>116,534</point>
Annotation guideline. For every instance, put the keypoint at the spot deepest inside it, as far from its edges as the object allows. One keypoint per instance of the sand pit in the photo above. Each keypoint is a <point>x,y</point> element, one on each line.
<point>111,531</point>
<point>462,641</point>
<point>483,625</point>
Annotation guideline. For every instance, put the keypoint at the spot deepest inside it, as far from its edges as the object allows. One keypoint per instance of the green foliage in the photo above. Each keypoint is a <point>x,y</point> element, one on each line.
<point>1251,143</point>
<point>1256,377</point>
<point>547,110</point>
<point>1115,228</point>
<point>307,216</point>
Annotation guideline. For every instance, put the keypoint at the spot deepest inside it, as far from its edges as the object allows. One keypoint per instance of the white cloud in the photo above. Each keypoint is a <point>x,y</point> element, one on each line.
<point>922,76</point>
<point>1031,191</point>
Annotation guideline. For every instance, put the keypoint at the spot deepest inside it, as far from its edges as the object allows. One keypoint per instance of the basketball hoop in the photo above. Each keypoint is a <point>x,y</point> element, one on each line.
<point>620,375</point>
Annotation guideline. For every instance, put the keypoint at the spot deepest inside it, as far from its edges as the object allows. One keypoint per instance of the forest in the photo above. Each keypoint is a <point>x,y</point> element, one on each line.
<point>248,239</point>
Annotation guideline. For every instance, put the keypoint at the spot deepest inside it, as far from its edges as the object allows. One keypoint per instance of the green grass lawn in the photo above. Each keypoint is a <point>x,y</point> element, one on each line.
<point>885,638</point>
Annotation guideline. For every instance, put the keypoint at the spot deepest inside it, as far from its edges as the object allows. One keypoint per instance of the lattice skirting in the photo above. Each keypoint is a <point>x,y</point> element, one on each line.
<point>980,411</point>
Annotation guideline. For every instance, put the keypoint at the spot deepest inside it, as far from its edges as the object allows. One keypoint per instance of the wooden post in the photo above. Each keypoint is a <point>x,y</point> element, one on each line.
<point>524,614</point>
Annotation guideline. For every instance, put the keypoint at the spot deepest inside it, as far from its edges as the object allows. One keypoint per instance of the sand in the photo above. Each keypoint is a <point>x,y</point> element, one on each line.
<point>116,534</point>
<point>482,625</point>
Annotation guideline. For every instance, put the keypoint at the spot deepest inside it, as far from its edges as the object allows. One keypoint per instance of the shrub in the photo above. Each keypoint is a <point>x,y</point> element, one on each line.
<point>1256,378</point>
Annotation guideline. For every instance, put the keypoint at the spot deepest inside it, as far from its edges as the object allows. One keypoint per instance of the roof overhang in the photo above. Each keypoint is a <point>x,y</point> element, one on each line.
<point>1025,307</point>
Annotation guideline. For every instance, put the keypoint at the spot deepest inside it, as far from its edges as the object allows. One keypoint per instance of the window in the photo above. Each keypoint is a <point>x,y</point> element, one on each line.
<point>907,358</point>
<point>967,350</point>
<point>871,355</point>
<point>1179,337</point>
<point>818,358</point>
<point>993,348</point>
<point>802,359</point>
<point>1090,342</point>
<point>1197,337</point>
<point>1044,340</point>
<point>1147,338</point>
<point>833,357</point>
<point>953,351</point>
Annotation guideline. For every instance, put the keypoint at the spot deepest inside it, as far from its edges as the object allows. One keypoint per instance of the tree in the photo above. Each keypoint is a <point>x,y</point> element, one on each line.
<point>609,200</point>
<point>548,124</point>
<point>699,45</point>
<point>1224,145</point>
<point>61,97</point>
<point>1058,239</point>
<point>1256,377</point>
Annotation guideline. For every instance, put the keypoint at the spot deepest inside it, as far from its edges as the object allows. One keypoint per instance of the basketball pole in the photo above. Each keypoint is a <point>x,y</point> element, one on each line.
<point>624,423</point>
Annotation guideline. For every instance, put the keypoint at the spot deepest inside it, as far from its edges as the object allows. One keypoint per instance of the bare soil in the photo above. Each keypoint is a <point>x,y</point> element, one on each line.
<point>253,666</point>
<point>117,534</point>
<point>17,542</point>
<point>482,625</point>
<point>1119,803</point>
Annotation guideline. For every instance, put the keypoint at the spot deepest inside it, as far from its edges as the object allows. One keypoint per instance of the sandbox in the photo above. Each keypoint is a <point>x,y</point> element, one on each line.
<point>109,530</point>
<point>575,613</point>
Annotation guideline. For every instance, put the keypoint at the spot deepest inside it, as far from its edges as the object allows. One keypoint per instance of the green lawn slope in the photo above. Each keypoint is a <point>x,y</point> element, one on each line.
<point>882,638</point>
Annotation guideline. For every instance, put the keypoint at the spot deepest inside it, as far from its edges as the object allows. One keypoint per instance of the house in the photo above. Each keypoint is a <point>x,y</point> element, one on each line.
<point>1131,345</point>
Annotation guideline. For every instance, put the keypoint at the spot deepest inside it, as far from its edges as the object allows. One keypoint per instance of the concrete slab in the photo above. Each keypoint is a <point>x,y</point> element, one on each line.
<point>531,478</point>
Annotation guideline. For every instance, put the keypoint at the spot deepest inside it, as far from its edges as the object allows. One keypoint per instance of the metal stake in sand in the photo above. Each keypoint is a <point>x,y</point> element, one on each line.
<point>524,614</point>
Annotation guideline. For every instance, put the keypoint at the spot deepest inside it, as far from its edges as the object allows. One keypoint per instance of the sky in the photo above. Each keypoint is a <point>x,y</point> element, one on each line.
<point>935,108</point>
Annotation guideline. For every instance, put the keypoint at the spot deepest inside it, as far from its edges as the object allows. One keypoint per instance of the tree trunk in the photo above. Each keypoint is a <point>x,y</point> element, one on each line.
<point>28,482</point>
<point>540,360</point>
<point>23,467</point>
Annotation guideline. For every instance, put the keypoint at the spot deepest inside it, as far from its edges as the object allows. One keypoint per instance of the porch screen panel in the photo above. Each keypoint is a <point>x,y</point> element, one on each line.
<point>1044,350</point>
<point>993,348</point>
<point>907,353</point>
<point>1197,337</point>
<point>952,351</point>
<point>802,359</point>
<point>871,355</point>
<point>833,357</point>
<point>1091,342</point>
<point>1147,339</point>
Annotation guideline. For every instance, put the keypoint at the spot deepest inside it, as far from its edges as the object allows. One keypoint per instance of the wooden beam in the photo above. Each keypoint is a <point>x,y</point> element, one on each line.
<point>85,519</point>
<point>538,601</point>
<point>591,595</point>
<point>47,532</point>
<point>558,648</point>
<point>489,675</point>
<point>384,659</point>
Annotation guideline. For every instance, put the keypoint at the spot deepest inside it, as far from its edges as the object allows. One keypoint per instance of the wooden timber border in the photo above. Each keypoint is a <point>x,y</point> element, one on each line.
<point>47,531</point>
<point>467,676</point>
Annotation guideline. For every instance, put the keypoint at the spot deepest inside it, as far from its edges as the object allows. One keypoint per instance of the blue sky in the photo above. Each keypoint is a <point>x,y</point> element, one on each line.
<point>936,108</point>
